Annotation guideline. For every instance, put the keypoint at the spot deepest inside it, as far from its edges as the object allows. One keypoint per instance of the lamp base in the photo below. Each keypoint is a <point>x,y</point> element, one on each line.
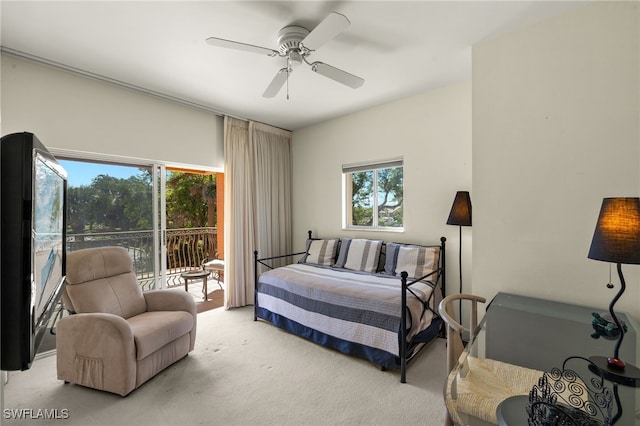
<point>628,376</point>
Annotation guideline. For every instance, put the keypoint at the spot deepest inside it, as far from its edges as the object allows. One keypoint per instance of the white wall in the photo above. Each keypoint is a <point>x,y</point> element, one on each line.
<point>555,129</point>
<point>70,112</point>
<point>431,130</point>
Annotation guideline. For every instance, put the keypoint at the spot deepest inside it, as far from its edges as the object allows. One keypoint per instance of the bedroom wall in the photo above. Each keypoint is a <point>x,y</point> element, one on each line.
<point>71,112</point>
<point>431,130</point>
<point>555,129</point>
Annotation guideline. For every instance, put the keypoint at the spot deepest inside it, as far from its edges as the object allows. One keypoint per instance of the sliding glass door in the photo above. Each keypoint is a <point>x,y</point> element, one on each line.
<point>165,217</point>
<point>117,204</point>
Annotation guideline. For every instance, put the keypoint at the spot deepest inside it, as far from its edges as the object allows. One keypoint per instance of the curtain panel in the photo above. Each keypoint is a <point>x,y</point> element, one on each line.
<point>257,204</point>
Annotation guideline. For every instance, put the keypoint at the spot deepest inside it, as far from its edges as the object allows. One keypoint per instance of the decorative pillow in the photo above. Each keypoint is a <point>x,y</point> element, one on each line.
<point>320,252</point>
<point>391,257</point>
<point>418,261</point>
<point>344,250</point>
<point>359,254</point>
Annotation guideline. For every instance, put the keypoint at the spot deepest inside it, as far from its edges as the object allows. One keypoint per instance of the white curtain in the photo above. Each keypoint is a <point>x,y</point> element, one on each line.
<point>271,152</point>
<point>257,205</point>
<point>239,227</point>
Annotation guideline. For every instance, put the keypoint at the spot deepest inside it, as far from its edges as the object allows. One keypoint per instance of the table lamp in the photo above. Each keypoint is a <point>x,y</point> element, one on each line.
<point>617,239</point>
<point>460,215</point>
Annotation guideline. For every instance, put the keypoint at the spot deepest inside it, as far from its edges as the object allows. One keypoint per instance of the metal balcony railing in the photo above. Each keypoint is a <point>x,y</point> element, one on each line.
<point>187,248</point>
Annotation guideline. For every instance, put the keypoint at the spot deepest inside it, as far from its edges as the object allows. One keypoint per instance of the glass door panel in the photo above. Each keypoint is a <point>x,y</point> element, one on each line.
<point>165,217</point>
<point>114,204</point>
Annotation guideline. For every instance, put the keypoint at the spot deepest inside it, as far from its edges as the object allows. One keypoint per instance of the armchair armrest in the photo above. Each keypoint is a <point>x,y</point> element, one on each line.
<point>171,300</point>
<point>96,350</point>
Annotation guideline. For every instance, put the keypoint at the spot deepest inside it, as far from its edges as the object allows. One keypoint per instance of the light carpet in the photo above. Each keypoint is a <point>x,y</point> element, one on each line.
<point>246,373</point>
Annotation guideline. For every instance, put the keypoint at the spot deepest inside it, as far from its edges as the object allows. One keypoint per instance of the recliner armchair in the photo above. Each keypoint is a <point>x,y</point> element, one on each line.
<point>118,337</point>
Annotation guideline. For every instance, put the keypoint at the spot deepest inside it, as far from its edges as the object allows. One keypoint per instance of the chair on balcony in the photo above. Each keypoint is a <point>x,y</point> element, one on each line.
<point>118,337</point>
<point>216,266</point>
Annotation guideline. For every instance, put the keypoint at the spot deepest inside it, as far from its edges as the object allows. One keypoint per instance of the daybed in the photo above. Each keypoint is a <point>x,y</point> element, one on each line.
<point>347,294</point>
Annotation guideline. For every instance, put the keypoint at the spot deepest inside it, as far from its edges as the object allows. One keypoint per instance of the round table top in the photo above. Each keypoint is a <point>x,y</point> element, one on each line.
<point>513,411</point>
<point>195,274</point>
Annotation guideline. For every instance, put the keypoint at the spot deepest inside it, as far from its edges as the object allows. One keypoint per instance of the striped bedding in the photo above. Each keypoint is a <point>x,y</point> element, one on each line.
<point>354,312</point>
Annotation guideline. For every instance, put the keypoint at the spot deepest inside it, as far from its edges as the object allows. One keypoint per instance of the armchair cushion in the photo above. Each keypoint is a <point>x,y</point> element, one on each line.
<point>169,300</point>
<point>153,330</point>
<point>102,280</point>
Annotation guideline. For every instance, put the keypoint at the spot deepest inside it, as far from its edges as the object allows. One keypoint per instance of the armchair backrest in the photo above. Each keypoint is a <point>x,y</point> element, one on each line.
<point>102,280</point>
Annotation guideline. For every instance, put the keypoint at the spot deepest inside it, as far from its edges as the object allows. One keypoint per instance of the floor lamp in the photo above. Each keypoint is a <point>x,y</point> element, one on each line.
<point>460,215</point>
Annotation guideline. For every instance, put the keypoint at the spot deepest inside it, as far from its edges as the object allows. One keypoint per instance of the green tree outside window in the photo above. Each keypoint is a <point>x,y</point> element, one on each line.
<point>374,196</point>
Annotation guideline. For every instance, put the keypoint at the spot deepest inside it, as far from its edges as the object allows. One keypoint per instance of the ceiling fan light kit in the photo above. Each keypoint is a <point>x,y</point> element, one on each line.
<point>296,43</point>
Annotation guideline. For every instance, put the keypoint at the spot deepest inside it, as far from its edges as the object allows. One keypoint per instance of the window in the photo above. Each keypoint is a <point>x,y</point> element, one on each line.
<point>374,195</point>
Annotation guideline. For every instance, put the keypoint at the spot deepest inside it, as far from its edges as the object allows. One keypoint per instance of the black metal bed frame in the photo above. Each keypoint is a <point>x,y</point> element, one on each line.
<point>406,286</point>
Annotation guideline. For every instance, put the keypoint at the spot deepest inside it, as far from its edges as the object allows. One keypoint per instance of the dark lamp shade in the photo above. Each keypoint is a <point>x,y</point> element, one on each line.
<point>617,235</point>
<point>461,210</point>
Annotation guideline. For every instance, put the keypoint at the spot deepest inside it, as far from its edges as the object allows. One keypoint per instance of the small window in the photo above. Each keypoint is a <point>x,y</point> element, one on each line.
<point>374,195</point>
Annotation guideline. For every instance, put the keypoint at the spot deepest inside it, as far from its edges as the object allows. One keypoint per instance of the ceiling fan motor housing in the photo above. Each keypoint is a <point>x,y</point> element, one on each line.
<point>289,38</point>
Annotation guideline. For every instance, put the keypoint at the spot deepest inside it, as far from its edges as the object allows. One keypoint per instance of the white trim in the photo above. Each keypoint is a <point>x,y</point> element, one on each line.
<point>117,159</point>
<point>347,197</point>
<point>160,225</point>
<point>372,165</point>
<point>371,229</point>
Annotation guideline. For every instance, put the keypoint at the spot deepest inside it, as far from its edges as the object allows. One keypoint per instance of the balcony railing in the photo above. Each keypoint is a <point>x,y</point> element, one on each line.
<point>187,248</point>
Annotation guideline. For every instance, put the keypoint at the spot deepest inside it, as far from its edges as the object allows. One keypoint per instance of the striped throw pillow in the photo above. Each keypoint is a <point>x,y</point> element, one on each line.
<point>418,261</point>
<point>321,252</point>
<point>391,258</point>
<point>363,255</point>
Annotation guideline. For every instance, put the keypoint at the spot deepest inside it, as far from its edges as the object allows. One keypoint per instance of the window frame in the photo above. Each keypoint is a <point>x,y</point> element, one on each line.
<point>347,195</point>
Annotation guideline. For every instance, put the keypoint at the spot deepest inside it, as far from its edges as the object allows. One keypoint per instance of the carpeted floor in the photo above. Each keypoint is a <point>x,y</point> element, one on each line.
<point>246,373</point>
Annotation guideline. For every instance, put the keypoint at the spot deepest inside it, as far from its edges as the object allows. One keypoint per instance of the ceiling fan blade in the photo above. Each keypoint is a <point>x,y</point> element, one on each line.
<point>338,75</point>
<point>220,42</point>
<point>330,27</point>
<point>277,83</point>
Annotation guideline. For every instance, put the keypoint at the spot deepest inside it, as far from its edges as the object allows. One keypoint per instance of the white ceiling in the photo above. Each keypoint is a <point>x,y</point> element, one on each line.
<point>399,48</point>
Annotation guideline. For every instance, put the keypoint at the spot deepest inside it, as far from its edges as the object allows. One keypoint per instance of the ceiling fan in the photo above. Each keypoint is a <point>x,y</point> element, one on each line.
<point>296,44</point>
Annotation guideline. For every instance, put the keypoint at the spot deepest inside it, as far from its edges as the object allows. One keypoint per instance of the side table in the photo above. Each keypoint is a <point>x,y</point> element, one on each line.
<point>199,274</point>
